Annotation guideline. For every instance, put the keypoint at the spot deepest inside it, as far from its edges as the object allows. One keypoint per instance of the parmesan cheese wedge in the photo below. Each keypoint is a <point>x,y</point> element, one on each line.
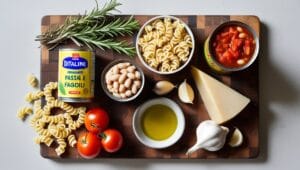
<point>222,103</point>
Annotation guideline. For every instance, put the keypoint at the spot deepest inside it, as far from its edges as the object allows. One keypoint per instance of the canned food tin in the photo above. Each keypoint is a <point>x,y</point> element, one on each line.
<point>210,56</point>
<point>76,74</point>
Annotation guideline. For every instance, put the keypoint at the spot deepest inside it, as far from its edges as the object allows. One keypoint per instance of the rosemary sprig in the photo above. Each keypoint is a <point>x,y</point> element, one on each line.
<point>95,29</point>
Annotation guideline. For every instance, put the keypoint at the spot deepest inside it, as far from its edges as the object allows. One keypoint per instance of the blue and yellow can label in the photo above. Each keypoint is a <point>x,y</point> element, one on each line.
<point>75,74</point>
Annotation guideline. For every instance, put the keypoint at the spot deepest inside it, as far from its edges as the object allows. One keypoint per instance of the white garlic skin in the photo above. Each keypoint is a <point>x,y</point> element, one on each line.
<point>210,136</point>
<point>163,87</point>
<point>186,93</point>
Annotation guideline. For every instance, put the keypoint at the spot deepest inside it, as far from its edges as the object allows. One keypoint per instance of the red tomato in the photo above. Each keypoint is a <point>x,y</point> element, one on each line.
<point>89,145</point>
<point>96,120</point>
<point>112,140</point>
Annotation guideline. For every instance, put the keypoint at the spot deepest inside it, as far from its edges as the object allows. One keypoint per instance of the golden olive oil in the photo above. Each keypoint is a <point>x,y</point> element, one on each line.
<point>159,122</point>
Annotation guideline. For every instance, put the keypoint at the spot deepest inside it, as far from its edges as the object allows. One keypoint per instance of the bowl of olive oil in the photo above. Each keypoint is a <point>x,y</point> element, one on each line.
<point>158,123</point>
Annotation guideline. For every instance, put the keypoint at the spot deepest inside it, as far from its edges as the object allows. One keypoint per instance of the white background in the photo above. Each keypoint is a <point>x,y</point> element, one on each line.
<point>279,80</point>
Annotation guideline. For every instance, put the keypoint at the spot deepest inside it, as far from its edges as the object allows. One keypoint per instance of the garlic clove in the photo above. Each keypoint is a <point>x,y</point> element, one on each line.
<point>236,138</point>
<point>163,87</point>
<point>186,93</point>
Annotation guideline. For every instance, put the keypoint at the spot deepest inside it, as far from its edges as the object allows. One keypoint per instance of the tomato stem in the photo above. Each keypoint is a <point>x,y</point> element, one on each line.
<point>84,139</point>
<point>102,135</point>
<point>94,125</point>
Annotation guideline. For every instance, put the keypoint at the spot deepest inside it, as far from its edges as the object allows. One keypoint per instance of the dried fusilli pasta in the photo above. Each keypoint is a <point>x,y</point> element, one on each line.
<point>72,140</point>
<point>32,80</point>
<point>53,127</point>
<point>23,112</point>
<point>61,146</point>
<point>165,44</point>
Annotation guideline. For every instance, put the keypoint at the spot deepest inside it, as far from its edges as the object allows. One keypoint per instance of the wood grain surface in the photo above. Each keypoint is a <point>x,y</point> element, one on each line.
<point>246,82</point>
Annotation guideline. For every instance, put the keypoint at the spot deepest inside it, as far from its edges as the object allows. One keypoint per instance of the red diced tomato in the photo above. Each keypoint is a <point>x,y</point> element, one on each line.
<point>227,55</point>
<point>225,46</point>
<point>234,54</point>
<point>225,34</point>
<point>228,47</point>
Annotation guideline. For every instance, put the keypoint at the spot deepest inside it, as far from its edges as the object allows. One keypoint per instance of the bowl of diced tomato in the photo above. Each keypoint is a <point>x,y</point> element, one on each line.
<point>233,46</point>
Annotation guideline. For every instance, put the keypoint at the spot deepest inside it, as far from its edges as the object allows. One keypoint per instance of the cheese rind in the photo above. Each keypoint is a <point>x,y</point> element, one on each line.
<point>222,102</point>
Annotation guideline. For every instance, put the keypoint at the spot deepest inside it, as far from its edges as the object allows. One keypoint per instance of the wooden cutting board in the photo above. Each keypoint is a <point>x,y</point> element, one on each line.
<point>246,82</point>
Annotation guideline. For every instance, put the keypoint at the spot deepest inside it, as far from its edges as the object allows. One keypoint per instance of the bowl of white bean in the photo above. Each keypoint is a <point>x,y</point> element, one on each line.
<point>165,45</point>
<point>122,80</point>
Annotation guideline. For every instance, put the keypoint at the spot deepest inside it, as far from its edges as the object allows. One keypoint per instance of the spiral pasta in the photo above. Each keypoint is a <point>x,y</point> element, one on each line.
<point>23,112</point>
<point>32,80</point>
<point>44,139</point>
<point>72,140</point>
<point>49,126</point>
<point>30,97</point>
<point>165,44</point>
<point>61,146</point>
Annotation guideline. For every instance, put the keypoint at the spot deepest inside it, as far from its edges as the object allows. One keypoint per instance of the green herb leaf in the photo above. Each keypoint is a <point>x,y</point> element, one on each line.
<point>95,29</point>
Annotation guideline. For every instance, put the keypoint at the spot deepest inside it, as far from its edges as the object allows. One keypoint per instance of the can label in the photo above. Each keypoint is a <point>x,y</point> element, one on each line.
<point>208,57</point>
<point>76,74</point>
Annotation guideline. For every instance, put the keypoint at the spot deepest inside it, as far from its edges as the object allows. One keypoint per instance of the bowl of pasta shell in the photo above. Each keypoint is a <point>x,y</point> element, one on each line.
<point>165,45</point>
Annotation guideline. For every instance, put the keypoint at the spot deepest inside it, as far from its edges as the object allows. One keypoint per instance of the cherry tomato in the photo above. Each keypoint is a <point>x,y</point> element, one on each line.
<point>112,140</point>
<point>89,145</point>
<point>96,120</point>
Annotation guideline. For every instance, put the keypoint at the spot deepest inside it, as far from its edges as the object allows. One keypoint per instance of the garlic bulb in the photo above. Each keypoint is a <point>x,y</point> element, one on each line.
<point>186,93</point>
<point>210,136</point>
<point>236,138</point>
<point>163,87</point>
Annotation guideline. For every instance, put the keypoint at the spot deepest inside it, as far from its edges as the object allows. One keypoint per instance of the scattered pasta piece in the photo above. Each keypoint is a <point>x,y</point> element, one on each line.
<point>52,127</point>
<point>32,80</point>
<point>30,97</point>
<point>23,112</point>
<point>61,146</point>
<point>72,140</point>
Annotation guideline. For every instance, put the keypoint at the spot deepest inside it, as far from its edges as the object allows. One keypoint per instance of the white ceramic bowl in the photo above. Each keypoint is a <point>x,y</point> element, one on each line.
<point>139,133</point>
<point>141,31</point>
<point>104,86</point>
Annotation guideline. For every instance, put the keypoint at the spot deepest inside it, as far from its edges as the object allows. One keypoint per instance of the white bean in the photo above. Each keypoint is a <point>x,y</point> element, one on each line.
<point>123,95</point>
<point>110,88</point>
<point>123,71</point>
<point>116,85</point>
<point>241,62</point>
<point>128,93</point>
<point>131,69</point>
<point>108,81</point>
<point>127,64</point>
<point>239,29</point>
<point>115,70</point>
<point>114,77</point>
<point>137,75</point>
<point>128,83</point>
<point>134,89</point>
<point>138,83</point>
<point>122,78</point>
<point>115,90</point>
<point>242,35</point>
<point>122,88</point>
<point>131,76</point>
<point>107,75</point>
<point>121,65</point>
